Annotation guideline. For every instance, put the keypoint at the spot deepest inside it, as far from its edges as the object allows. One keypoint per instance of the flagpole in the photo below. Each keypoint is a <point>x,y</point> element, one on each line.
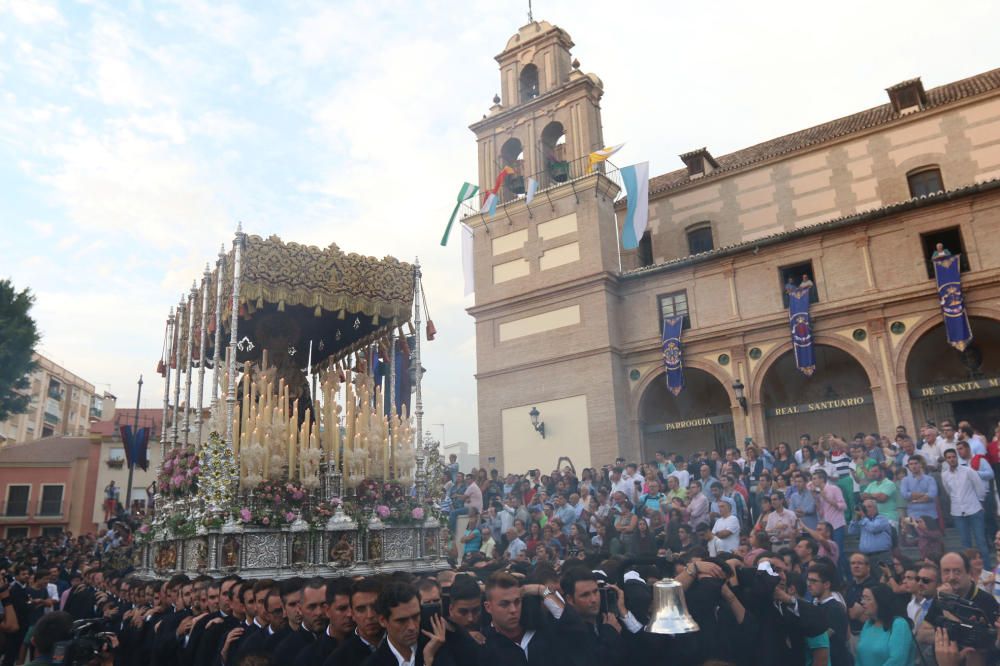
<point>131,456</point>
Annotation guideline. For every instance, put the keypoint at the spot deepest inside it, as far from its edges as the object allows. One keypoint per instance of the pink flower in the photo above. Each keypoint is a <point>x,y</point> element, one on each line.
<point>382,511</point>
<point>417,513</point>
<point>144,529</point>
<point>298,495</point>
<point>266,521</point>
<point>176,481</point>
<point>168,465</point>
<point>289,516</point>
<point>245,515</point>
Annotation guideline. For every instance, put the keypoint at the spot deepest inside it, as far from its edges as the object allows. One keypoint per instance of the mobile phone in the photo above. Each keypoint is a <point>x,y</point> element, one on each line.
<point>427,611</point>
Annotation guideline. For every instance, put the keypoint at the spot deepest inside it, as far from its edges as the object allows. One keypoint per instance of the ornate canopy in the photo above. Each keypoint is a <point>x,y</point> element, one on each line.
<point>302,293</point>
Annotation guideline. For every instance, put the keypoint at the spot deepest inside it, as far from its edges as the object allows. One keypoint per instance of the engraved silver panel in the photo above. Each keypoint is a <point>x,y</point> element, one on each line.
<point>263,550</point>
<point>399,543</point>
<point>196,554</point>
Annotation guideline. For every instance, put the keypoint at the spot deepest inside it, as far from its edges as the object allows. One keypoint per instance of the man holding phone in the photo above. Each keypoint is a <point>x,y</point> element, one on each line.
<point>875,532</point>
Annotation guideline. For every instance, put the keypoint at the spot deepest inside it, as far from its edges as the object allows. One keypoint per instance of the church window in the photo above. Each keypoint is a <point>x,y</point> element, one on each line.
<point>951,239</point>
<point>554,152</point>
<point>645,249</point>
<point>699,238</point>
<point>794,276</point>
<point>674,305</point>
<point>925,181</point>
<point>528,83</point>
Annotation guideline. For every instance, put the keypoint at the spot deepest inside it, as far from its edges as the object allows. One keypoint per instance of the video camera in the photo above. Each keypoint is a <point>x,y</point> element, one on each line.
<point>90,638</point>
<point>972,628</point>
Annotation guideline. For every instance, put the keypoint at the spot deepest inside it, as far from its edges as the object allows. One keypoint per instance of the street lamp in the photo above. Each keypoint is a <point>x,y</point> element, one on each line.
<point>539,426</point>
<point>740,392</point>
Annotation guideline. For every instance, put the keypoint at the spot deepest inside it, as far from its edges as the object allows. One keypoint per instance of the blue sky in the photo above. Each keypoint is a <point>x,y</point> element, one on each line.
<point>134,135</point>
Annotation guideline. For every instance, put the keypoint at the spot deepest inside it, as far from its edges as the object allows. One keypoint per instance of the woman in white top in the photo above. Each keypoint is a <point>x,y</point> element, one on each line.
<point>727,527</point>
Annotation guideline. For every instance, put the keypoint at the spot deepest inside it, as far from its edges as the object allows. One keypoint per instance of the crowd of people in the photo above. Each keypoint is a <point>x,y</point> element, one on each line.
<point>560,568</point>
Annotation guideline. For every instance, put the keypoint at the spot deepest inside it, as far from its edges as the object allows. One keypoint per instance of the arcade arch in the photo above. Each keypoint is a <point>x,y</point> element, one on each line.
<point>836,398</point>
<point>700,418</point>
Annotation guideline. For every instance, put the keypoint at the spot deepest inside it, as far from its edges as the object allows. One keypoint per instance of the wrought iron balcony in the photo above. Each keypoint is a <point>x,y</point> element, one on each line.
<point>557,174</point>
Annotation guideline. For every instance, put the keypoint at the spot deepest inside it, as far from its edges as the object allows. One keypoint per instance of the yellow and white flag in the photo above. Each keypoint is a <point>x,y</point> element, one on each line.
<point>603,154</point>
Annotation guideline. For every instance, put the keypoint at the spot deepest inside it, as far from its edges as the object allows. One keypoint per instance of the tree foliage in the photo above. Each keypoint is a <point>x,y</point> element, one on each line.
<point>18,337</point>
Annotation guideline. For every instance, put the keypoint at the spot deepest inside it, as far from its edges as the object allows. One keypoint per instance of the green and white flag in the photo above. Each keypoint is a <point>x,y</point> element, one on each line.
<point>467,192</point>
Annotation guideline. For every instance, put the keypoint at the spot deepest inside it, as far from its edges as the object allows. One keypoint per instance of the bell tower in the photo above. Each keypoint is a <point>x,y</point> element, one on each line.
<point>550,378</point>
<point>547,115</point>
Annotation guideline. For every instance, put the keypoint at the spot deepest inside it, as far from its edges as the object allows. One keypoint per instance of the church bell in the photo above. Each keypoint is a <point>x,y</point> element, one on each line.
<point>670,614</point>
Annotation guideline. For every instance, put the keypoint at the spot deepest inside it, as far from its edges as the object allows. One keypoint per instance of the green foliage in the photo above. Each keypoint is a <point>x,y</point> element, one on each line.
<point>18,337</point>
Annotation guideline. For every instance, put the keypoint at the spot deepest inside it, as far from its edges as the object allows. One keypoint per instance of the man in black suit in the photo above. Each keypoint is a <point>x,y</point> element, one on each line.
<point>285,649</point>
<point>368,631</point>
<point>229,644</point>
<point>270,620</point>
<point>232,613</point>
<point>398,608</point>
<point>81,602</point>
<point>340,625</point>
<point>165,643</point>
<point>19,600</point>
<point>192,637</point>
<point>508,642</point>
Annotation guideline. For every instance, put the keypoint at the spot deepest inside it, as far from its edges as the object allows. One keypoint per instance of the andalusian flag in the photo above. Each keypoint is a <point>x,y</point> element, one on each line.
<point>603,154</point>
<point>467,192</point>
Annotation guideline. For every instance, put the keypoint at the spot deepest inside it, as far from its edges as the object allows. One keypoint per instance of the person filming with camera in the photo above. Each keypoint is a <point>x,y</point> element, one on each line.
<point>56,642</point>
<point>960,621</point>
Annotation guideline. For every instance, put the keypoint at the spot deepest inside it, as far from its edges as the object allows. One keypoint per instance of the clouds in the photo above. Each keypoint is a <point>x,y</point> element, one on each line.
<point>133,136</point>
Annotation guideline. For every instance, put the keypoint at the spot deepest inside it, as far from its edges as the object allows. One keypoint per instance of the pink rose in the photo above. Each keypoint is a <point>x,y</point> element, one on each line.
<point>382,511</point>
<point>144,529</point>
<point>298,495</point>
<point>289,516</point>
<point>266,521</point>
<point>417,513</point>
<point>245,515</point>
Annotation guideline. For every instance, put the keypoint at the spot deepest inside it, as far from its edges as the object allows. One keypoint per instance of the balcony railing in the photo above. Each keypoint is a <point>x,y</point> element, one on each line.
<point>23,511</point>
<point>557,174</point>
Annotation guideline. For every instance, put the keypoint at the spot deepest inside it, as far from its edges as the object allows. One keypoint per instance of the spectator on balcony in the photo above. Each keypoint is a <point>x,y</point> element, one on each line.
<point>110,500</point>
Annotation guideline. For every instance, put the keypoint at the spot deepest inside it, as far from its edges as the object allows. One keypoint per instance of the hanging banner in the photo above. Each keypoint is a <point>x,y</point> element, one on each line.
<point>801,323</point>
<point>947,270</point>
<point>673,353</point>
<point>136,446</point>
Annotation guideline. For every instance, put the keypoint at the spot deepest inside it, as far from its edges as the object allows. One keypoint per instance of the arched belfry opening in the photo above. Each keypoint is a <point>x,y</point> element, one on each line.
<point>512,155</point>
<point>554,152</point>
<point>528,83</point>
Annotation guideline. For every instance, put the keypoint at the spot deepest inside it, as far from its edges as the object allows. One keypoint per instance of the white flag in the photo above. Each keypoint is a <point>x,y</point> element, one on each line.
<point>467,265</point>
<point>532,188</point>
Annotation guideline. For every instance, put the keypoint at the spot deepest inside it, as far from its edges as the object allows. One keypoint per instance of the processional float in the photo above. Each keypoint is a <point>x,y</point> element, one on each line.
<point>309,460</point>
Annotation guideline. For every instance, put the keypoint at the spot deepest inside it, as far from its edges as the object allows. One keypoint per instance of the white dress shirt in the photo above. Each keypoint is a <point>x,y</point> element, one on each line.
<point>965,489</point>
<point>399,658</point>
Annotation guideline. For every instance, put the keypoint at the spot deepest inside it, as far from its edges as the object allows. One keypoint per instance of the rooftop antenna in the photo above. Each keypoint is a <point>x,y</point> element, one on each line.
<point>531,16</point>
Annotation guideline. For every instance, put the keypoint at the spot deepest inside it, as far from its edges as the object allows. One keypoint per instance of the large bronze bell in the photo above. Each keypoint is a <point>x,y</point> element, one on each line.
<point>670,614</point>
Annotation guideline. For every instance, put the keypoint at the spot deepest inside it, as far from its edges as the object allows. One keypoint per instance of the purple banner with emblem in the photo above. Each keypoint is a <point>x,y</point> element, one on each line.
<point>673,353</point>
<point>947,270</point>
<point>801,324</point>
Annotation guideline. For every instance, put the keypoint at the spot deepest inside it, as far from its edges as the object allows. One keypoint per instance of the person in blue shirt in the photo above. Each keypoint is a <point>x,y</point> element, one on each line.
<point>919,490</point>
<point>802,501</point>
<point>875,532</point>
<point>886,638</point>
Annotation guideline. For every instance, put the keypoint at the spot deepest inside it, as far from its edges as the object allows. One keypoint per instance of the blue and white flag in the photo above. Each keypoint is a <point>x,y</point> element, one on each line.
<point>532,189</point>
<point>801,324</point>
<point>948,272</point>
<point>490,205</point>
<point>673,353</point>
<point>636,180</point>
